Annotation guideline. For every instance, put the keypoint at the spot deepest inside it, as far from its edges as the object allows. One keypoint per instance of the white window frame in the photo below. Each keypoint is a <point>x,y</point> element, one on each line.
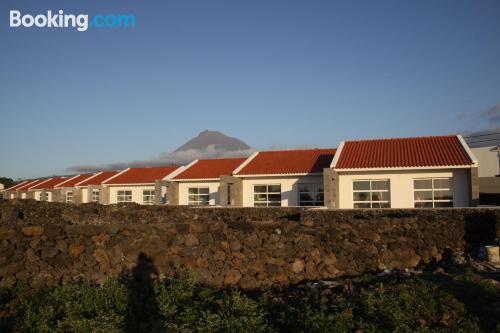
<point>148,197</point>
<point>94,197</point>
<point>314,193</point>
<point>267,202</point>
<point>198,202</point>
<point>123,196</point>
<point>370,191</point>
<point>432,190</point>
<point>69,197</point>
<point>40,196</point>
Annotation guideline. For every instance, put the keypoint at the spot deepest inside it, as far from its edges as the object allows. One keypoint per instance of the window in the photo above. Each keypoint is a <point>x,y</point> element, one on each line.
<point>267,195</point>
<point>46,196</point>
<point>433,192</point>
<point>1,195</point>
<point>40,196</point>
<point>69,197</point>
<point>96,194</point>
<point>198,196</point>
<point>311,195</point>
<point>371,193</point>
<point>229,190</point>
<point>124,196</point>
<point>148,197</point>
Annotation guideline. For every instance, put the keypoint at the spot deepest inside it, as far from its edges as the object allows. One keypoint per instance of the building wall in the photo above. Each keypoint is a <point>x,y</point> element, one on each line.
<point>289,187</point>
<point>488,161</point>
<point>136,192</point>
<point>213,187</point>
<point>401,185</point>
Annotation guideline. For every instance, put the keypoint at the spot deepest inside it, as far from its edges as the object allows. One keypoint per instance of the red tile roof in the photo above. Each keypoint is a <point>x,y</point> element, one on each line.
<point>142,175</point>
<point>50,184</point>
<point>29,184</point>
<point>211,169</point>
<point>99,179</point>
<point>21,184</point>
<point>289,162</point>
<point>403,152</point>
<point>73,181</point>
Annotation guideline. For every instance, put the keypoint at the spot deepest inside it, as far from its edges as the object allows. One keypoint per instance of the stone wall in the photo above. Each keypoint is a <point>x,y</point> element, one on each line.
<point>51,243</point>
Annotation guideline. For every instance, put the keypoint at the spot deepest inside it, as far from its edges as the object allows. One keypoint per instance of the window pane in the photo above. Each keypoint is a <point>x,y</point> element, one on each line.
<point>203,190</point>
<point>319,197</point>
<point>306,188</point>
<point>361,196</point>
<point>442,183</point>
<point>260,197</point>
<point>274,188</point>
<point>306,203</point>
<point>380,196</point>
<point>275,204</point>
<point>192,197</point>
<point>193,190</point>
<point>260,189</point>
<point>380,205</point>
<point>260,204</point>
<point>306,197</point>
<point>274,197</point>
<point>422,195</point>
<point>360,185</point>
<point>361,205</point>
<point>380,184</point>
<point>443,204</point>
<point>443,195</point>
<point>319,188</point>
<point>423,204</point>
<point>425,184</point>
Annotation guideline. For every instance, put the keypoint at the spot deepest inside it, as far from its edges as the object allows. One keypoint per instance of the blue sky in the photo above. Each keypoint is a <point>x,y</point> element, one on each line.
<point>287,73</point>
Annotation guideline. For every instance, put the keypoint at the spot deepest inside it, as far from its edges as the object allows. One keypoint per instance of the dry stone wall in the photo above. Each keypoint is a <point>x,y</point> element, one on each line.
<point>51,243</point>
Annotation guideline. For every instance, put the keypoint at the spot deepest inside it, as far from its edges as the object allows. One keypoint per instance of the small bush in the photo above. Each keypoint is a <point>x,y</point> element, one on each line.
<point>419,304</point>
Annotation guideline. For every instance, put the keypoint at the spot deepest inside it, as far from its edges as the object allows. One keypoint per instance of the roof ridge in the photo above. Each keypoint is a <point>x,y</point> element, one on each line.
<point>405,138</point>
<point>289,150</point>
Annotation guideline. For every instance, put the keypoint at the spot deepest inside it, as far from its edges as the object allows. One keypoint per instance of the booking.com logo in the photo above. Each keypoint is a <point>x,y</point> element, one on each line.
<point>61,20</point>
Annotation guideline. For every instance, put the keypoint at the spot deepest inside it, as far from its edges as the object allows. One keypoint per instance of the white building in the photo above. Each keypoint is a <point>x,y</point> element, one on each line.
<point>136,184</point>
<point>282,178</point>
<point>404,173</point>
<point>198,184</point>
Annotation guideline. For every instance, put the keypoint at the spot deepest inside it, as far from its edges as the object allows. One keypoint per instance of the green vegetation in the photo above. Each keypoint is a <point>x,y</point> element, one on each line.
<point>7,182</point>
<point>426,303</point>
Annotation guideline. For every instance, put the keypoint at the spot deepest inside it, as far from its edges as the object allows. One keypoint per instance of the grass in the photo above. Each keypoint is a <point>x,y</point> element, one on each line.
<point>424,303</point>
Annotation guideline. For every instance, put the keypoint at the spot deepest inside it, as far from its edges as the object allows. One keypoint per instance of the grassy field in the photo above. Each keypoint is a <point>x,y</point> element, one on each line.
<point>430,302</point>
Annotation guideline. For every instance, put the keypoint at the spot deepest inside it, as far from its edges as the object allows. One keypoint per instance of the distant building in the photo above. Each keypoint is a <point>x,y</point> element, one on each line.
<point>489,171</point>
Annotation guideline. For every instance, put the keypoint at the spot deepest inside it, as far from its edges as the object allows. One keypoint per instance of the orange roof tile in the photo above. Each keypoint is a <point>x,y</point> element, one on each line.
<point>21,184</point>
<point>403,152</point>
<point>50,184</point>
<point>289,162</point>
<point>211,169</point>
<point>97,180</point>
<point>29,184</point>
<point>142,175</point>
<point>73,181</point>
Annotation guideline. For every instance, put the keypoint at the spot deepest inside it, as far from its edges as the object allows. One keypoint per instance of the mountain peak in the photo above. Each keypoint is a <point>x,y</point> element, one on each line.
<point>213,138</point>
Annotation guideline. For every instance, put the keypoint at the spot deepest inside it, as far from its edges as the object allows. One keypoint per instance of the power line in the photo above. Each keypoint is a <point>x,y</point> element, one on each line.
<point>478,135</point>
<point>497,139</point>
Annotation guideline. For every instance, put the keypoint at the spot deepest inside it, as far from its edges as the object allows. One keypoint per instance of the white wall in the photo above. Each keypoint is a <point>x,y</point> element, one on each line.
<point>487,158</point>
<point>136,192</point>
<point>84,192</point>
<point>289,188</point>
<point>401,185</point>
<point>213,188</point>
